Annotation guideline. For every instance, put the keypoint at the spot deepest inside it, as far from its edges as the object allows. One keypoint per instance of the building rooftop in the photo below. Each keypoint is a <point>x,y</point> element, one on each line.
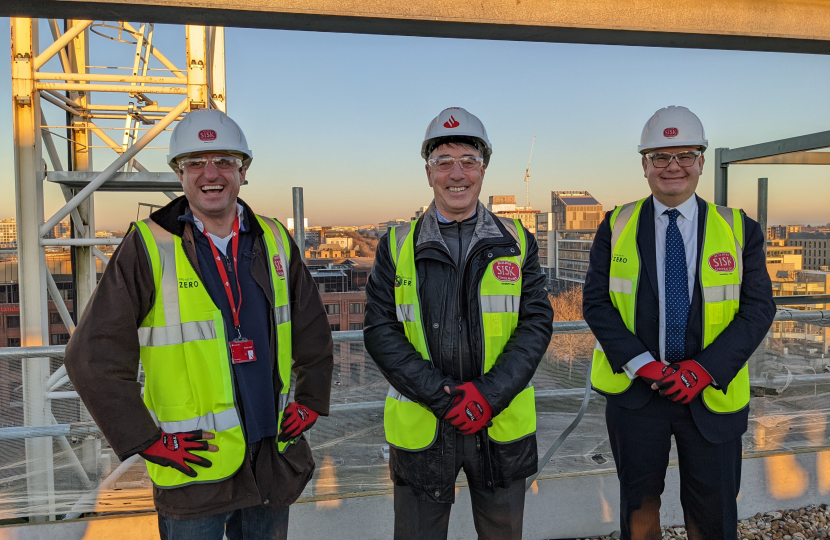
<point>579,201</point>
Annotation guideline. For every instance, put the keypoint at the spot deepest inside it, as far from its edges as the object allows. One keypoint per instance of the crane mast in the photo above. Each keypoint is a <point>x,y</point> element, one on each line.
<point>527,175</point>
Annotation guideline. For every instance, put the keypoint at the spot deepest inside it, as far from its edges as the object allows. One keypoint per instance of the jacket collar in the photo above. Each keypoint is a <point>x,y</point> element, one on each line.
<point>168,217</point>
<point>486,227</point>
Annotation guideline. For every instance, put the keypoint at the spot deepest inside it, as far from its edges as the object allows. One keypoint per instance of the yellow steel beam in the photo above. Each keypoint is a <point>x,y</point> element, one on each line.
<point>763,25</point>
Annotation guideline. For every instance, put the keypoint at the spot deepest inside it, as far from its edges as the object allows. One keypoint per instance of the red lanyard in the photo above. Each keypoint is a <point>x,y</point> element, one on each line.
<point>221,267</point>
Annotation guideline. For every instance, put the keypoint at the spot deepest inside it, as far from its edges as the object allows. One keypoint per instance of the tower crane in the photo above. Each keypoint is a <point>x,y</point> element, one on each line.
<point>527,174</point>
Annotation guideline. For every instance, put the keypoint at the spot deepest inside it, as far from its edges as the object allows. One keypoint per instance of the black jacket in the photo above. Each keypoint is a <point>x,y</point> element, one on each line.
<point>722,359</point>
<point>450,311</point>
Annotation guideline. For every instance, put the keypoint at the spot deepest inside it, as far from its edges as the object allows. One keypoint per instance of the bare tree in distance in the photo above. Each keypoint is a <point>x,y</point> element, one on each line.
<point>365,244</point>
<point>567,306</point>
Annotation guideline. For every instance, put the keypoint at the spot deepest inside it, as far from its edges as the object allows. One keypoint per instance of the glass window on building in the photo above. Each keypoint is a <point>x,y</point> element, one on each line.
<point>333,309</point>
<point>356,326</point>
<point>335,328</point>
<point>355,308</point>
<point>13,342</point>
<point>55,318</point>
<point>13,321</point>
<point>59,339</point>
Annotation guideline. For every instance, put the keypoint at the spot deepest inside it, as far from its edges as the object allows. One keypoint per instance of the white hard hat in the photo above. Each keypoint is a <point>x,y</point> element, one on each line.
<point>673,126</point>
<point>456,122</point>
<point>207,130</point>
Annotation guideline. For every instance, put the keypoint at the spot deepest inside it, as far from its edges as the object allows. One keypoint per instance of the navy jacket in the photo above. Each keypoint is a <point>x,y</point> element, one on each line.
<point>722,359</point>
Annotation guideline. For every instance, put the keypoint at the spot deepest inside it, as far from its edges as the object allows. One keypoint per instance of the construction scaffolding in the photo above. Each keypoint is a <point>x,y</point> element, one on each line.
<point>201,84</point>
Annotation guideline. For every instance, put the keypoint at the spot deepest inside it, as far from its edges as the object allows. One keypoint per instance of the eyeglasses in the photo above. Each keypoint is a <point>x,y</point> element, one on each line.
<point>222,163</point>
<point>661,160</point>
<point>446,163</point>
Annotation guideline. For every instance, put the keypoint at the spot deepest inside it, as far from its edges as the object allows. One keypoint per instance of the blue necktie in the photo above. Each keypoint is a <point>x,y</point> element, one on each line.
<point>677,291</point>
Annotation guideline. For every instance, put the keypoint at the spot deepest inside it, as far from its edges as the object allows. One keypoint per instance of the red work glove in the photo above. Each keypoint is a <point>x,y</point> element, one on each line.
<point>688,380</point>
<point>173,450</point>
<point>470,411</point>
<point>655,371</point>
<point>295,420</point>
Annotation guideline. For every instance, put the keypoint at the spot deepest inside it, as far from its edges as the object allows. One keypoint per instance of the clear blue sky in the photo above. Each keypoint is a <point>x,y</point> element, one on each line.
<point>343,116</point>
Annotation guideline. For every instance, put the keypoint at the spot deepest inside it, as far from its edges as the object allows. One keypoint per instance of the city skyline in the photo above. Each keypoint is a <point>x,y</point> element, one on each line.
<point>342,116</point>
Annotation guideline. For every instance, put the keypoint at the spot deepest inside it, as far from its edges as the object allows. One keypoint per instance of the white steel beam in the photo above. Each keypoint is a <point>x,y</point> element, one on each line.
<point>217,68</point>
<point>117,164</point>
<point>40,481</point>
<point>60,43</point>
<point>197,80</point>
<point>102,77</point>
<point>160,57</point>
<point>88,87</point>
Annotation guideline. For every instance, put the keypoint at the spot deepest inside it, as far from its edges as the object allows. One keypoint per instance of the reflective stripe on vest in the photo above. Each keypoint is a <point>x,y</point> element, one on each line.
<point>720,271</point>
<point>411,426</point>
<point>184,353</point>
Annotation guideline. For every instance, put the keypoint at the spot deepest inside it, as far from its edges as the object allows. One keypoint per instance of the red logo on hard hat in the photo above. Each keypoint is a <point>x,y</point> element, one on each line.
<point>506,271</point>
<point>670,132</point>
<point>278,266</point>
<point>207,135</point>
<point>451,123</point>
<point>722,262</point>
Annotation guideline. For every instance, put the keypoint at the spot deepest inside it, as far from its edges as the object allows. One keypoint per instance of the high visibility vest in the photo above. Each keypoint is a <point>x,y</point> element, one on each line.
<point>720,270</point>
<point>185,353</point>
<point>412,426</point>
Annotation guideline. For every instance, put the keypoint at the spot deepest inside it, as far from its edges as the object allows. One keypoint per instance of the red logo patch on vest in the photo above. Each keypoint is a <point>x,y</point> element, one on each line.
<point>278,266</point>
<point>506,271</point>
<point>722,262</point>
<point>207,135</point>
<point>670,132</point>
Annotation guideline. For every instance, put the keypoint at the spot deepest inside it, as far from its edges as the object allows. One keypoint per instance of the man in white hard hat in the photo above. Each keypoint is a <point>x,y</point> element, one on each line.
<point>216,302</point>
<point>678,297</point>
<point>457,319</point>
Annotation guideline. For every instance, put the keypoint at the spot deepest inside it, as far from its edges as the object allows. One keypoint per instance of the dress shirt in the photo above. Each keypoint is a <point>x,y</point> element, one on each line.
<point>687,223</point>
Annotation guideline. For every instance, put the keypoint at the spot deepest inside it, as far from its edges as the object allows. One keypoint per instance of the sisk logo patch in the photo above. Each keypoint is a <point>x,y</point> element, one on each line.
<point>400,281</point>
<point>452,123</point>
<point>722,262</point>
<point>670,133</point>
<point>278,266</point>
<point>207,135</point>
<point>506,271</point>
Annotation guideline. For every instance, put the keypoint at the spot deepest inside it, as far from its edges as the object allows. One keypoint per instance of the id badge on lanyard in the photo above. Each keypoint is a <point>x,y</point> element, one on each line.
<point>242,349</point>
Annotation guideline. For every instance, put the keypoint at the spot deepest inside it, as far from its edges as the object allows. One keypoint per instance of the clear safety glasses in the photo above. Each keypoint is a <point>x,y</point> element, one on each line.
<point>446,163</point>
<point>661,160</point>
<point>222,163</point>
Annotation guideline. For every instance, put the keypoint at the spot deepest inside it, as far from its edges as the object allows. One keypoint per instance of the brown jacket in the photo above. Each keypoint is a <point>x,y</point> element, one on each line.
<point>102,362</point>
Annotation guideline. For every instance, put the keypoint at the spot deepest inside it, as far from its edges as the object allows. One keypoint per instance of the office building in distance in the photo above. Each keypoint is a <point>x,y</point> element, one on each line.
<point>565,235</point>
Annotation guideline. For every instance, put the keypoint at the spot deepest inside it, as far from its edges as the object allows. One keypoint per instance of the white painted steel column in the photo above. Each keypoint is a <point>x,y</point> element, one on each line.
<point>197,80</point>
<point>85,262</point>
<point>217,68</point>
<point>40,482</point>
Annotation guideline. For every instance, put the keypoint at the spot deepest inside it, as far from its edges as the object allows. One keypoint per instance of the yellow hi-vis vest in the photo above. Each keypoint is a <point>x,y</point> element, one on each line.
<point>720,270</point>
<point>185,352</point>
<point>412,426</point>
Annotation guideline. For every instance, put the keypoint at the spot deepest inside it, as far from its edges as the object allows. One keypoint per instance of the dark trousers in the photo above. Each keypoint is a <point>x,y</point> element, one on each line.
<point>710,474</point>
<point>497,515</point>
<point>252,523</point>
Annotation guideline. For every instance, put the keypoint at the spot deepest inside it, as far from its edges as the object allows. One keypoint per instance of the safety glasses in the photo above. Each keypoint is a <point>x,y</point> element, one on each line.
<point>222,163</point>
<point>661,160</point>
<point>446,163</point>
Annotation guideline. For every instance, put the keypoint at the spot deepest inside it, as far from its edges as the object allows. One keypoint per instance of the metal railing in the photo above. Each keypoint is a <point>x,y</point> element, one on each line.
<point>559,328</point>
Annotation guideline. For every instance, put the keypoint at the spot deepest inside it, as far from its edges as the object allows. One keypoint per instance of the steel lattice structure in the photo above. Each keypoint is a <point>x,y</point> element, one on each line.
<point>201,83</point>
